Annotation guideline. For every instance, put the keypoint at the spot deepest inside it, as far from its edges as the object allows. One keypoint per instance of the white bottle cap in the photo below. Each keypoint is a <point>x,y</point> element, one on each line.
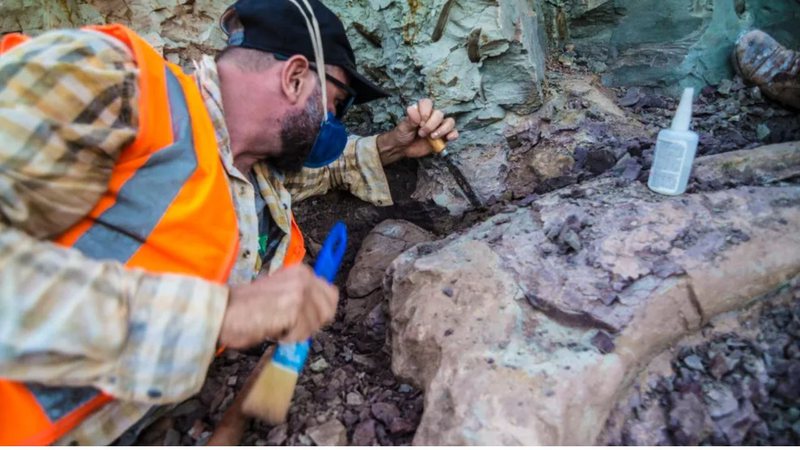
<point>683,117</point>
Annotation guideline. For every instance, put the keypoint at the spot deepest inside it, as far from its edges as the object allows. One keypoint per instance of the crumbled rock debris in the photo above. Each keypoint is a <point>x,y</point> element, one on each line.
<point>731,390</point>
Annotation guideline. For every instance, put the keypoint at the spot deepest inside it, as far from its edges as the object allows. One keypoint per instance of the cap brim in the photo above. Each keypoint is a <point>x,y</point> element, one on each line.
<point>366,90</point>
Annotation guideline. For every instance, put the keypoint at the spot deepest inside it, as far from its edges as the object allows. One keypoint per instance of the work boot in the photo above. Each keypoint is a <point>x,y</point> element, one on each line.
<point>761,60</point>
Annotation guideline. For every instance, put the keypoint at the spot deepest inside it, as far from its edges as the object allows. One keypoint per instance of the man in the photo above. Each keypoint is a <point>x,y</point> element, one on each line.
<point>125,187</point>
<point>761,60</point>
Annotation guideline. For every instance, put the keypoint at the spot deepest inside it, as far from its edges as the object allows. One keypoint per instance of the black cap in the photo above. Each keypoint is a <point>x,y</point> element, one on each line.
<point>278,26</point>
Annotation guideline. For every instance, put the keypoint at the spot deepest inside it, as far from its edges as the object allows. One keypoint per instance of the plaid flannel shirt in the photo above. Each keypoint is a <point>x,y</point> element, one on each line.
<point>68,107</point>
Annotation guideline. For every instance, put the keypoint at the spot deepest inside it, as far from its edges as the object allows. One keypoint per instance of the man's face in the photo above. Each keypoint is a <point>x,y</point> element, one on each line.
<point>298,132</point>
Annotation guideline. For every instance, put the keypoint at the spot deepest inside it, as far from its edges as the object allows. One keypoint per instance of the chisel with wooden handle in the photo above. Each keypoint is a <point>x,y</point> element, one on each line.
<point>438,146</point>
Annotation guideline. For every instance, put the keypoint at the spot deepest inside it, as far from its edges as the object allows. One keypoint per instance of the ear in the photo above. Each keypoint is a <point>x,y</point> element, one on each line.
<point>295,77</point>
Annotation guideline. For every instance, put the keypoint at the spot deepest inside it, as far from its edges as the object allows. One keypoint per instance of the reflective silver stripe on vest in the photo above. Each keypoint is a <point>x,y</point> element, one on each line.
<point>57,402</point>
<point>120,231</point>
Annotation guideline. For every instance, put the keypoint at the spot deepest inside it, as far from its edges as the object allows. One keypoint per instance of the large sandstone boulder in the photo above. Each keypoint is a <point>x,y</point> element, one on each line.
<point>528,327</point>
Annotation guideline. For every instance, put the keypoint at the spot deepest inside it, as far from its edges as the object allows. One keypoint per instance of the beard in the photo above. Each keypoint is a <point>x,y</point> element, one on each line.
<point>298,133</point>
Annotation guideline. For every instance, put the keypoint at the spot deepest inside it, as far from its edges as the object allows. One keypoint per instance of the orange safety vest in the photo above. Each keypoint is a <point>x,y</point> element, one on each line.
<point>168,208</point>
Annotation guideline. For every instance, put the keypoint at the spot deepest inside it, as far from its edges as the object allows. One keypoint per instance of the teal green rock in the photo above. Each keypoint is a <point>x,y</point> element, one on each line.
<point>479,60</point>
<point>666,44</point>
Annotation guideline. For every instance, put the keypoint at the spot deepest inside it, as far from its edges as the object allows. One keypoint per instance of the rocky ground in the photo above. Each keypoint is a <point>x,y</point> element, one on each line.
<point>740,390</point>
<point>737,388</point>
<point>347,394</point>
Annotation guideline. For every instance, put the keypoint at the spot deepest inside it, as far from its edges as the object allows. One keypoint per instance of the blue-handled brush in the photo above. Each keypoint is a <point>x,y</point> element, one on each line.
<point>272,392</point>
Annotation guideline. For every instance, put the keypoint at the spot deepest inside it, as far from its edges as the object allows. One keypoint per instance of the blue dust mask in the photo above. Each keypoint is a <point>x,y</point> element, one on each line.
<point>330,143</point>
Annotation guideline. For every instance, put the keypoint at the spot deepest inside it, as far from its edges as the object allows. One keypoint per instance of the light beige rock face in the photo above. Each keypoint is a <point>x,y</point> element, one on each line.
<point>774,163</point>
<point>331,433</point>
<point>527,328</point>
<point>492,368</point>
<point>181,29</point>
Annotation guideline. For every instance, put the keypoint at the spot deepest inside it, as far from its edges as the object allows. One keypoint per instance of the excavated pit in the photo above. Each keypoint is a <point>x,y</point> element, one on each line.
<point>349,381</point>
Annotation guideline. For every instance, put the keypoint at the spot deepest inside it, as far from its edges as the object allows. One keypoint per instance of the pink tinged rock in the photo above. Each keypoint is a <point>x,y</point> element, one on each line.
<point>354,399</point>
<point>277,435</point>
<point>364,433</point>
<point>385,412</point>
<point>544,360</point>
<point>401,426</point>
<point>328,434</point>
<point>384,243</point>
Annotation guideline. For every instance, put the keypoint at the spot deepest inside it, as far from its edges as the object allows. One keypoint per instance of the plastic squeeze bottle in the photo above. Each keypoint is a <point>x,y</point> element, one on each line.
<point>675,150</point>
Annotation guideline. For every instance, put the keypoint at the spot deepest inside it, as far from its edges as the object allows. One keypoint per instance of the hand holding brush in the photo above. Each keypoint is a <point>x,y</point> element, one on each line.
<point>272,393</point>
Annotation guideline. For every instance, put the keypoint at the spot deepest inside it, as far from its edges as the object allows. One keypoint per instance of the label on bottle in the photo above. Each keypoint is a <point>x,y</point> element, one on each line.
<point>668,164</point>
<point>291,356</point>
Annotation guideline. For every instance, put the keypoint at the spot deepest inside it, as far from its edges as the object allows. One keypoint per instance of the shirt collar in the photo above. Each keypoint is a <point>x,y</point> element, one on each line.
<point>207,78</point>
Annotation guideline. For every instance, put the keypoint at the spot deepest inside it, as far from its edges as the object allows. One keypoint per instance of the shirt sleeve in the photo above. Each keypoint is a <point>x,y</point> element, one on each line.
<point>358,170</point>
<point>67,109</point>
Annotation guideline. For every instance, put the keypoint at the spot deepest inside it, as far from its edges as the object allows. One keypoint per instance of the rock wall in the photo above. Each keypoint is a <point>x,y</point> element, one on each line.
<point>481,61</point>
<point>181,29</point>
<point>666,44</point>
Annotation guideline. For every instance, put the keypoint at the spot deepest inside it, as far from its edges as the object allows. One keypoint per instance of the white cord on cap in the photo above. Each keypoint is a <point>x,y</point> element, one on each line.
<point>316,43</point>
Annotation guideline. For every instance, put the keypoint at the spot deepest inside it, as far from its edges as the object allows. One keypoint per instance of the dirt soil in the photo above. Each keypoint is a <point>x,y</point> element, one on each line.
<point>348,378</point>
